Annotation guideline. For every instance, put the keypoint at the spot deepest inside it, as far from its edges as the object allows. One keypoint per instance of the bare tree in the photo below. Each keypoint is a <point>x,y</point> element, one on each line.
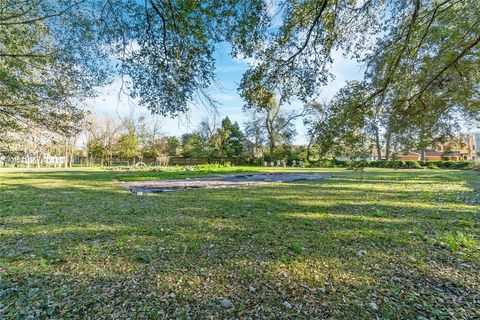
<point>278,123</point>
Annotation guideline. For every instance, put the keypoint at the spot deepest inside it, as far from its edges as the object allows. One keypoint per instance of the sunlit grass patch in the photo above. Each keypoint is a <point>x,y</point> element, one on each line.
<point>458,240</point>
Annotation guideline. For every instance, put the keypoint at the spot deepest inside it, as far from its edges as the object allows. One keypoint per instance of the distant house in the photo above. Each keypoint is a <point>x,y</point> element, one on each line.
<point>453,151</point>
<point>434,155</point>
<point>410,156</point>
<point>344,157</point>
<point>458,151</point>
<point>35,159</point>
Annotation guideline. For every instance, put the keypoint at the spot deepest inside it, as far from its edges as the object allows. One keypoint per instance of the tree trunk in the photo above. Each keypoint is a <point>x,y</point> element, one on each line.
<point>66,155</point>
<point>308,150</point>
<point>271,145</point>
<point>71,153</point>
<point>271,141</point>
<point>309,147</point>
<point>422,145</point>
<point>422,155</point>
<point>388,137</point>
<point>377,143</point>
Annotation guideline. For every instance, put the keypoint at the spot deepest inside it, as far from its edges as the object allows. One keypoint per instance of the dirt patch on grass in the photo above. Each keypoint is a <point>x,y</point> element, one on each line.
<point>141,187</point>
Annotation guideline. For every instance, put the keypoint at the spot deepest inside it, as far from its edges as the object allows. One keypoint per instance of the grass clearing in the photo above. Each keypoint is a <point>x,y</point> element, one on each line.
<point>383,243</point>
<point>199,171</point>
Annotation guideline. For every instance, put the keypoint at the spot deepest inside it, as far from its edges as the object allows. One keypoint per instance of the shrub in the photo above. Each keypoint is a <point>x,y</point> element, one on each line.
<point>376,163</point>
<point>321,164</point>
<point>339,163</point>
<point>432,166</point>
<point>358,165</point>
<point>384,164</point>
<point>327,163</point>
<point>463,165</point>
<point>412,165</point>
<point>396,164</point>
<point>445,164</point>
<point>211,166</point>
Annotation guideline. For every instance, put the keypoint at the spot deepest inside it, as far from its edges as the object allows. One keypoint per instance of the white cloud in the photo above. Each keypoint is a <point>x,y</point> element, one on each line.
<point>223,97</point>
<point>109,102</point>
<point>230,69</point>
<point>247,60</point>
<point>344,69</point>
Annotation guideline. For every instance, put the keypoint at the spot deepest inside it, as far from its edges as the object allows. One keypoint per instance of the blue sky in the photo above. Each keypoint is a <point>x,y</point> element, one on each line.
<point>229,73</point>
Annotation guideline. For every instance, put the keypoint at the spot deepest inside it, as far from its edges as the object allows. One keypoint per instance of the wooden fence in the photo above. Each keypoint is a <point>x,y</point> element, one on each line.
<point>164,161</point>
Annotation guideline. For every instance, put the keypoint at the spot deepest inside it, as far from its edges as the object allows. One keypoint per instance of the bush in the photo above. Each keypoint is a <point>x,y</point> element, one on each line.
<point>432,166</point>
<point>357,165</point>
<point>210,166</point>
<point>396,164</point>
<point>323,164</point>
<point>327,163</point>
<point>451,164</point>
<point>412,165</point>
<point>381,164</point>
<point>339,163</point>
<point>444,164</point>
<point>463,165</point>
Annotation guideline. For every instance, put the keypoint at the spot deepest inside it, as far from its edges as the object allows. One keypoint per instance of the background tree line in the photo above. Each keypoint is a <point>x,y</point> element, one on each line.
<point>131,139</point>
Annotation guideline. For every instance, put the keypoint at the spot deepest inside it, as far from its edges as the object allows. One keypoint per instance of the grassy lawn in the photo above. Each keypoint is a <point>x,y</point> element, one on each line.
<point>383,243</point>
<point>181,173</point>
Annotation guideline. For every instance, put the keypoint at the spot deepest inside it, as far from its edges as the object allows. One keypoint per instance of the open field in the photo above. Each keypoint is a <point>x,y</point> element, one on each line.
<point>388,244</point>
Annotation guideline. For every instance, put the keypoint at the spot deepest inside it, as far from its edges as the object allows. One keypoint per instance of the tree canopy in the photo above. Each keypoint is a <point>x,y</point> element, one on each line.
<point>423,53</point>
<point>53,52</point>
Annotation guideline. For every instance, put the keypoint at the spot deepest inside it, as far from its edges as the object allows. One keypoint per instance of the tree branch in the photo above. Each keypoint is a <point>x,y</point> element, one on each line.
<point>309,32</point>
<point>56,14</point>
<point>446,67</point>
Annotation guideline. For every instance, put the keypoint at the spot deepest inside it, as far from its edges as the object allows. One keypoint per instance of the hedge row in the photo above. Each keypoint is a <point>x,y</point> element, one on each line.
<point>396,164</point>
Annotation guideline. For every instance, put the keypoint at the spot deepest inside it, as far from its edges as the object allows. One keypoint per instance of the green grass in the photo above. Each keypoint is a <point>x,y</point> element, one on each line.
<point>459,240</point>
<point>180,173</point>
<point>198,172</point>
<point>75,245</point>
